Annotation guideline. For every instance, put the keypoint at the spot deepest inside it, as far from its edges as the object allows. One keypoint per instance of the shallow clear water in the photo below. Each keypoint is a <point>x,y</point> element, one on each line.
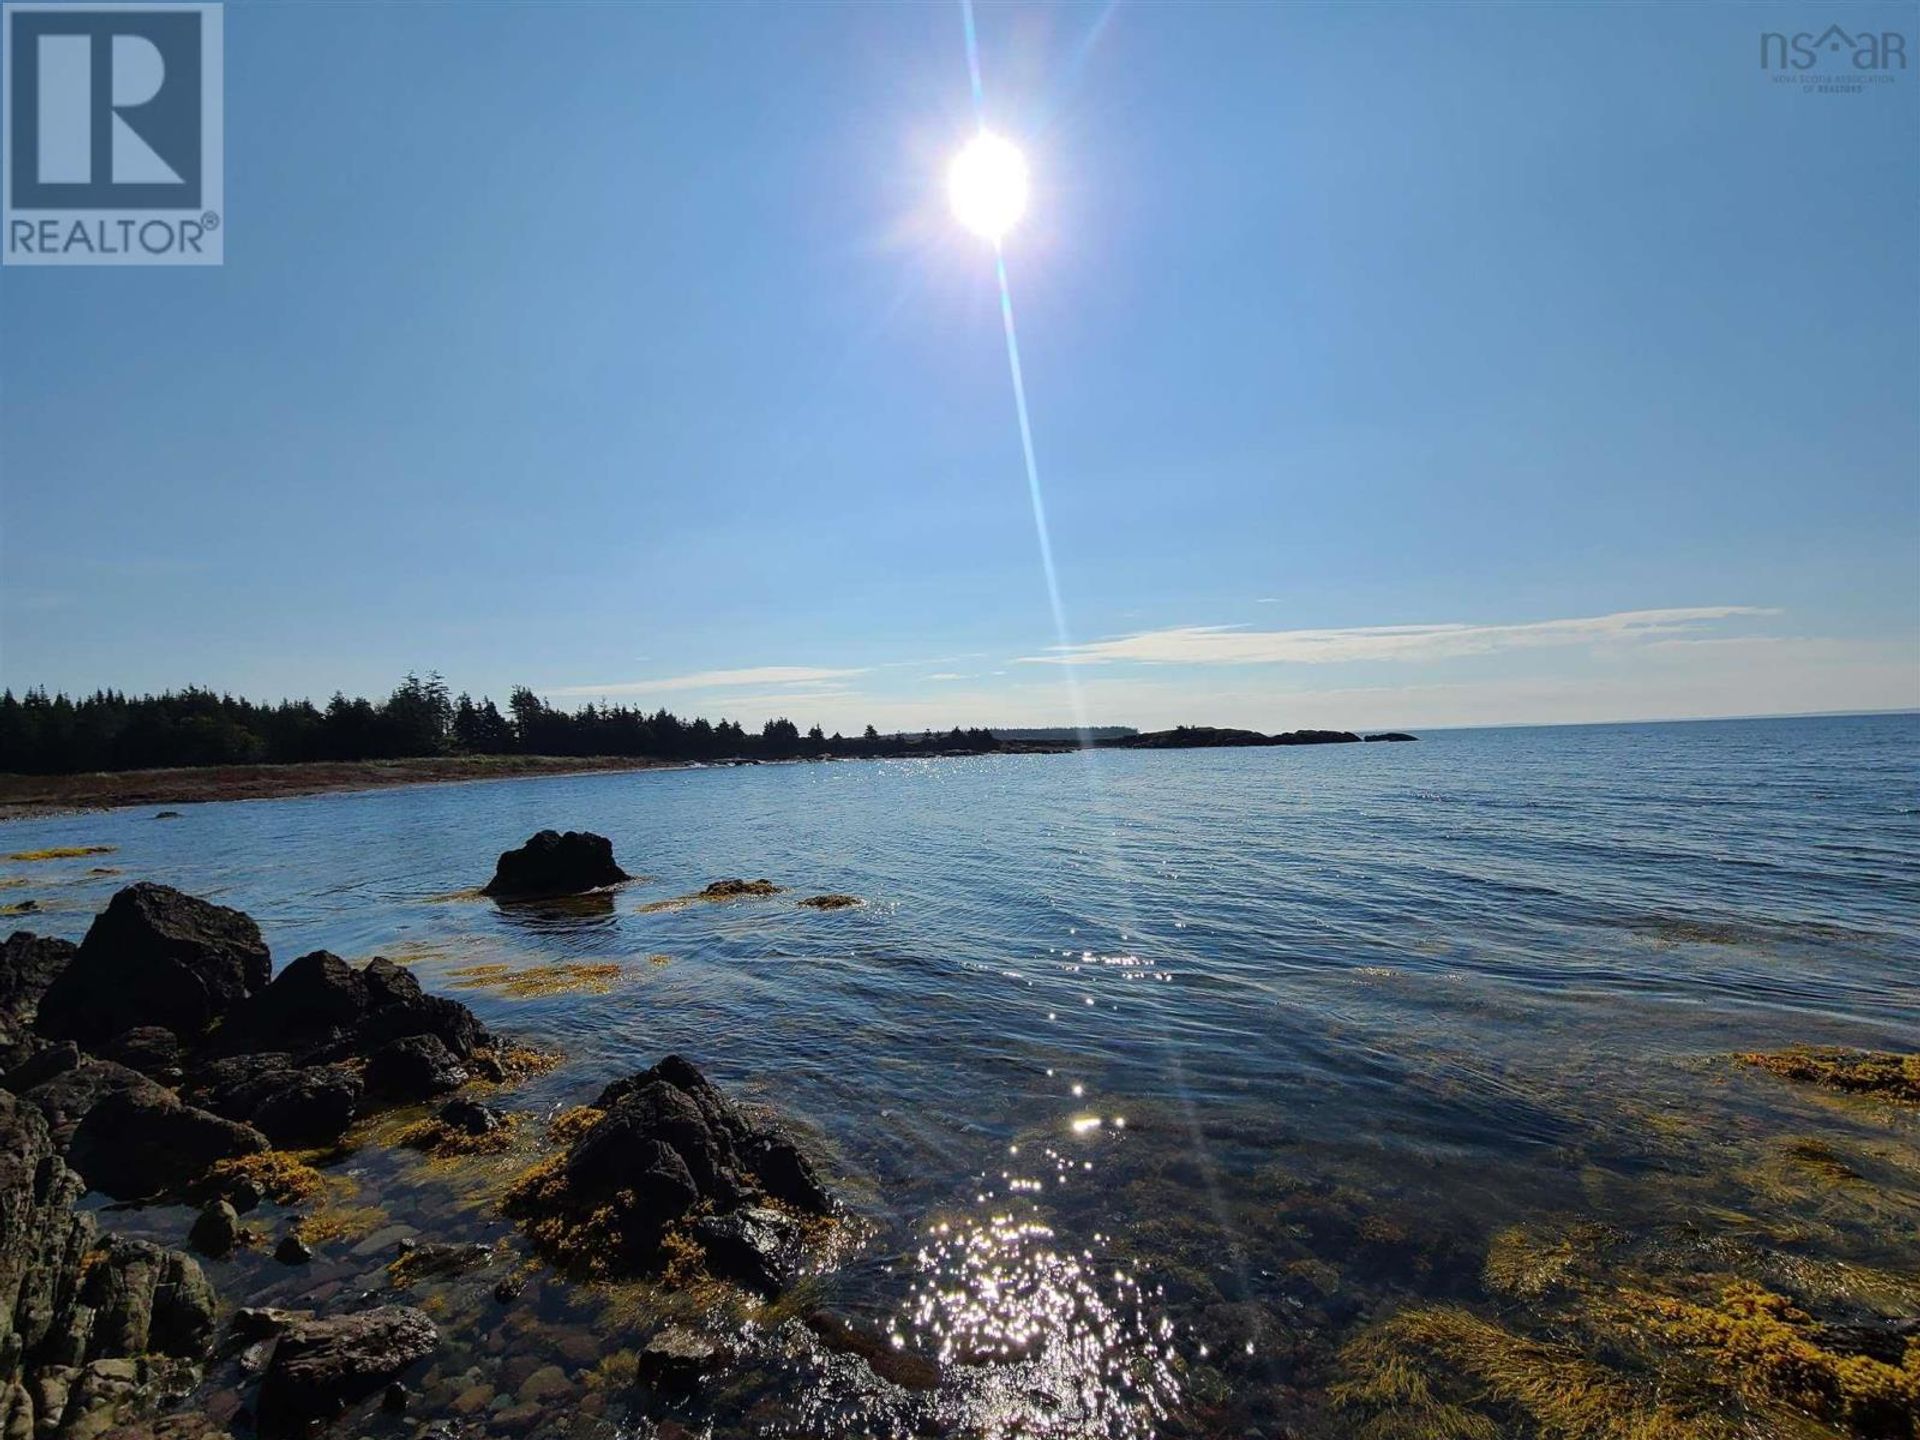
<point>1453,975</point>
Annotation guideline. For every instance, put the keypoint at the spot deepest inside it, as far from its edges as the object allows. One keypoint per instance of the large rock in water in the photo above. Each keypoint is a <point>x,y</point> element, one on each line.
<point>670,1145</point>
<point>155,957</point>
<point>320,1367</point>
<point>551,865</point>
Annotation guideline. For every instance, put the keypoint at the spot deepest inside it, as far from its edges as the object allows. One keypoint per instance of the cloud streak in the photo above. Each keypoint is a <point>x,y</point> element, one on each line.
<point>1240,645</point>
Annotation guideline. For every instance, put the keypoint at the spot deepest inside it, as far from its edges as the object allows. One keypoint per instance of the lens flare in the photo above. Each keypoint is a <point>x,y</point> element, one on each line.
<point>987,186</point>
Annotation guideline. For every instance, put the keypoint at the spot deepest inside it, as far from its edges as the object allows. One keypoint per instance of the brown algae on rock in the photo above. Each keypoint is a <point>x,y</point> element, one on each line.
<point>534,981</point>
<point>718,891</point>
<point>831,902</point>
<point>1880,1073</point>
<point>441,1139</point>
<point>277,1175</point>
<point>62,852</point>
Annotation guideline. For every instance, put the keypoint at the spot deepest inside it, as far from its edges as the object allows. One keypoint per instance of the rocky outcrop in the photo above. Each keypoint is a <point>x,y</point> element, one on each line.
<point>551,865</point>
<point>90,1328</point>
<point>670,1149</point>
<point>292,1105</point>
<point>414,1067</point>
<point>155,957</point>
<point>321,1367</point>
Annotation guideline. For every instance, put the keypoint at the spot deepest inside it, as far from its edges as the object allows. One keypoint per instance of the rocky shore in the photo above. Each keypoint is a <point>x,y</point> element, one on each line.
<point>163,1063</point>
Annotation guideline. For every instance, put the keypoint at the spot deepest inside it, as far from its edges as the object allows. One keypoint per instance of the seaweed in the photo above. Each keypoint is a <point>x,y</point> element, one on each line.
<point>534,981</point>
<point>1881,1073</point>
<point>279,1175</point>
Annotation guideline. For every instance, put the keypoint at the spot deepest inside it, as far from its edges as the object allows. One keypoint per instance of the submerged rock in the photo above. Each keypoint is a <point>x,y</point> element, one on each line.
<point>677,1358</point>
<point>831,902</point>
<point>321,1367</point>
<point>155,956</point>
<point>551,865</point>
<point>667,1143</point>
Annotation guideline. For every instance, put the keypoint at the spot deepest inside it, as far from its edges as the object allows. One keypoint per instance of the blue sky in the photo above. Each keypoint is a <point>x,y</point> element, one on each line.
<point>1389,365</point>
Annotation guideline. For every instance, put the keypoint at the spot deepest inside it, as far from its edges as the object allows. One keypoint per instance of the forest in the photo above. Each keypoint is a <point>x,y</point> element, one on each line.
<point>42,734</point>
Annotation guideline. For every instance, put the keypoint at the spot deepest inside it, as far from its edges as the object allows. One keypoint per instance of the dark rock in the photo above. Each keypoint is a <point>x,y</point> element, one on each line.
<point>668,1142</point>
<point>29,963</point>
<point>755,1247</point>
<point>321,1367</point>
<point>830,902</point>
<point>551,865</point>
<point>292,1250</point>
<point>262,1322</point>
<point>166,814</point>
<point>68,1085</point>
<point>470,1117</point>
<point>320,1009</point>
<point>291,1105</point>
<point>215,1230</point>
<point>510,1289</point>
<point>138,1143</point>
<point>394,1401</point>
<point>414,1067</point>
<point>676,1359</point>
<point>153,1050</point>
<point>1393,735</point>
<point>155,957</point>
<point>147,1300</point>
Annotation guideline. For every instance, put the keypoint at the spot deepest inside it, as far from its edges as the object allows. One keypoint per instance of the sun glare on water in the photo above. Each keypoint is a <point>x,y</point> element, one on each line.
<point>987,186</point>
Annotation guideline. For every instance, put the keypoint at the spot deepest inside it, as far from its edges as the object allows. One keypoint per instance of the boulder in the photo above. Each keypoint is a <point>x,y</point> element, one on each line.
<point>216,1230</point>
<point>668,1143</point>
<point>677,1358</point>
<point>153,1050</point>
<point>321,1367</point>
<point>320,1009</point>
<point>147,1300</point>
<point>29,963</point>
<point>292,1105</point>
<point>755,1247</point>
<point>414,1067</point>
<point>138,1143</point>
<point>551,865</point>
<point>155,956</point>
<point>67,1085</point>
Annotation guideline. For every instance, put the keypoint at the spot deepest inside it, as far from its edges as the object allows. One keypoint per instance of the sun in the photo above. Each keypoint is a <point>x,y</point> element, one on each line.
<point>987,186</point>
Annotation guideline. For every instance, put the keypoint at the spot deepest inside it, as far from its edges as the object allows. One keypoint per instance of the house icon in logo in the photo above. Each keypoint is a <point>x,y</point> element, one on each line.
<point>1834,40</point>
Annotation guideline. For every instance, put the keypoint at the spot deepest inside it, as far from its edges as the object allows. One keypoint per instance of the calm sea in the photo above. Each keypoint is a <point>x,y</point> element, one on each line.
<point>1115,996</point>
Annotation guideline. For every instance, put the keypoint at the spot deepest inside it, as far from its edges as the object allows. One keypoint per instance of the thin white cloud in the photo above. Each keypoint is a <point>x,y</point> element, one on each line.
<point>1239,645</point>
<point>948,675</point>
<point>716,680</point>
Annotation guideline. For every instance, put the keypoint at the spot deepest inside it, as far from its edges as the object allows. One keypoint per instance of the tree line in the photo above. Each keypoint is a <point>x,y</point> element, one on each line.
<point>44,734</point>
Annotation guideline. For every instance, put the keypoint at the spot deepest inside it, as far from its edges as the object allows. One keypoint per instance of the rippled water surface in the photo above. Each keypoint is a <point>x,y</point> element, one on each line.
<point>1103,1020</point>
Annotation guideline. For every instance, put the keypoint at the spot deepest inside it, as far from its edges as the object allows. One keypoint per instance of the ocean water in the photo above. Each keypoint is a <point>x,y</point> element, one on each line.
<point>1133,1058</point>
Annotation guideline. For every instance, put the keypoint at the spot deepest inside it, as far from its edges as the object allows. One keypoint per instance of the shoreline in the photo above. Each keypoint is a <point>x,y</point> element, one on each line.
<point>40,797</point>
